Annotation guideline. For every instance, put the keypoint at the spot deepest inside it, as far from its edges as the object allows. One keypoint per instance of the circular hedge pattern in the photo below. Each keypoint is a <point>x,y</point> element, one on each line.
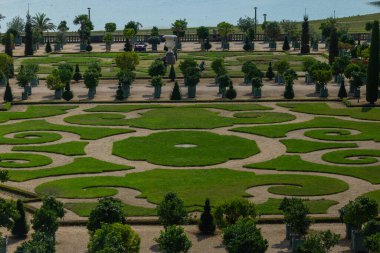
<point>32,138</point>
<point>98,119</point>
<point>23,160</point>
<point>353,156</point>
<point>333,134</point>
<point>265,117</point>
<point>160,148</point>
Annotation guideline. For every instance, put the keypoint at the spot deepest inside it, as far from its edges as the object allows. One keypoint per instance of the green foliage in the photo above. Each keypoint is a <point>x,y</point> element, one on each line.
<point>187,64</point>
<point>91,78</point>
<point>127,60</point>
<point>272,30</point>
<point>108,211</point>
<point>179,27</point>
<point>4,176</point>
<point>53,81</point>
<point>245,237</point>
<point>40,243</point>
<point>28,51</point>
<point>372,243</point>
<point>48,47</point>
<point>203,32</point>
<point>50,203</point>
<point>373,66</point>
<point>219,67</point>
<point>281,66</point>
<point>171,211</point>
<point>295,215</point>
<point>359,211</point>
<point>8,213</point>
<point>340,64</point>
<point>286,46</point>
<point>85,27</point>
<point>321,242</point>
<point>269,74</point>
<point>45,221</point>
<point>333,45</point>
<point>231,92</point>
<point>8,95</point>
<point>173,240</point>
<point>126,77</point>
<point>110,27</point>
<point>305,37</point>
<point>250,70</point>
<point>176,93</point>
<point>308,63</point>
<point>342,91</point>
<point>20,227</point>
<point>6,65</point>
<point>77,75</point>
<point>230,212</point>
<point>115,238</point>
<point>157,81</point>
<point>290,75</point>
<point>26,74</point>
<point>207,224</point>
<point>157,68</point>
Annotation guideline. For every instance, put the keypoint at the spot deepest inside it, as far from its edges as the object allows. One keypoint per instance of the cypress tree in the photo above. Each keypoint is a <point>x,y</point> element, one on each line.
<point>305,37</point>
<point>373,66</point>
<point>20,227</point>
<point>176,93</point>
<point>28,36</point>
<point>172,74</point>
<point>77,75</point>
<point>333,46</point>
<point>342,91</point>
<point>286,46</point>
<point>8,44</point>
<point>207,223</point>
<point>8,96</point>
<point>231,92</point>
<point>269,74</point>
<point>48,47</point>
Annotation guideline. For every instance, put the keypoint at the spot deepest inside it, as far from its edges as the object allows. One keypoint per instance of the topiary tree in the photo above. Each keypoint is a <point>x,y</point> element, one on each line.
<point>48,48</point>
<point>107,211</point>
<point>372,243</point>
<point>356,213</point>
<point>20,227</point>
<point>157,68</point>
<point>245,237</point>
<point>8,213</point>
<point>176,92</point>
<point>225,29</point>
<point>229,212</point>
<point>321,242</point>
<point>269,74</point>
<point>28,36</point>
<point>373,66</point>
<point>173,240</point>
<point>248,46</point>
<point>179,28</point>
<point>295,216</point>
<point>305,37</point>
<point>250,71</point>
<point>45,221</point>
<point>207,224</point>
<point>115,238</point>
<point>290,75</point>
<point>272,30</point>
<point>77,75</point>
<point>172,74</point>
<point>8,39</point>
<point>85,28</point>
<point>322,77</point>
<point>231,92</point>
<point>50,203</point>
<point>281,67</point>
<point>127,60</point>
<point>40,242</point>
<point>219,68</point>
<point>342,90</point>
<point>171,210</point>
<point>8,95</point>
<point>203,34</point>
<point>333,45</point>
<point>286,46</point>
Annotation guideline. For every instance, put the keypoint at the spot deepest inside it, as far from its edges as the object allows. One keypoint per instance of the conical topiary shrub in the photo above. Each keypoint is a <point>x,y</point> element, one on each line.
<point>270,74</point>
<point>207,224</point>
<point>176,93</point>
<point>342,91</point>
<point>20,227</point>
<point>67,94</point>
<point>172,74</point>
<point>48,47</point>
<point>77,75</point>
<point>8,96</point>
<point>286,46</point>
<point>231,92</point>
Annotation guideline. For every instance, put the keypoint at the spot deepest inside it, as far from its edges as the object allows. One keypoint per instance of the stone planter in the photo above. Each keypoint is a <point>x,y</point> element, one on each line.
<point>82,47</point>
<point>126,90</point>
<point>18,41</point>
<point>288,232</point>
<point>247,80</point>
<point>295,244</point>
<point>296,45</point>
<point>279,79</point>
<point>352,88</point>
<point>58,47</point>
<point>154,47</point>
<point>256,92</point>
<point>108,47</point>
<point>222,90</point>
<point>91,93</point>
<point>357,242</point>
<point>273,46</point>
<point>317,88</point>
<point>308,79</point>
<point>191,91</point>
<point>24,96</point>
<point>324,92</point>
<point>178,45</point>
<point>58,94</point>
<point>157,91</point>
<point>28,90</point>
<point>226,46</point>
<point>348,231</point>
<point>35,82</point>
<point>357,93</point>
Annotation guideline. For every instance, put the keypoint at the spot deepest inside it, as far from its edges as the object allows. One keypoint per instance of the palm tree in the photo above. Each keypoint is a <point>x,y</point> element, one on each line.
<point>85,29</point>
<point>42,23</point>
<point>179,28</point>
<point>225,29</point>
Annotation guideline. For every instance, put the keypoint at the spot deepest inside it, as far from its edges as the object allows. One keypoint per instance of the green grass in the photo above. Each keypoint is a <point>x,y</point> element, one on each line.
<point>295,163</point>
<point>178,118</point>
<point>35,112</point>
<point>29,137</point>
<point>304,146</point>
<point>375,195</point>
<point>129,108</point>
<point>193,186</point>
<point>6,106</point>
<point>84,209</point>
<point>71,148</point>
<point>363,156</point>
<point>210,149</point>
<point>23,160</point>
<point>81,165</point>
<point>366,113</point>
<point>368,130</point>
<point>86,133</point>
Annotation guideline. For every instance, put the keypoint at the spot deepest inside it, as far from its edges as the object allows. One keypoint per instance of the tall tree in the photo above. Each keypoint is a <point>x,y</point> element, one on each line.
<point>1,18</point>
<point>179,28</point>
<point>85,28</point>
<point>41,23</point>
<point>17,24</point>
<point>373,66</point>
<point>305,37</point>
<point>28,36</point>
<point>334,45</point>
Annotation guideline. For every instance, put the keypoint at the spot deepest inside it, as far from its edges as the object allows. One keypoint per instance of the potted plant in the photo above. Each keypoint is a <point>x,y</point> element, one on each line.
<point>315,70</point>
<point>53,82</point>
<point>154,41</point>
<point>322,77</point>
<point>179,28</point>
<point>25,77</point>
<point>84,31</point>
<point>250,71</point>
<point>185,65</point>
<point>225,29</point>
<point>256,87</point>
<point>290,75</point>
<point>91,80</point>
<point>157,83</point>
<point>193,76</point>
<point>224,81</point>
<point>351,68</point>
<point>307,64</point>
<point>281,67</point>
<point>126,78</point>
<point>219,68</point>
<point>157,68</point>
<point>203,34</point>
<point>108,39</point>
<point>358,79</point>
<point>355,214</point>
<point>272,31</point>
<point>339,66</point>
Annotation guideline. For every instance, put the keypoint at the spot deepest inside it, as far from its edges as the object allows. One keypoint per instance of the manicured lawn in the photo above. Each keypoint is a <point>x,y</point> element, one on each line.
<point>35,112</point>
<point>81,165</point>
<point>129,108</point>
<point>72,148</point>
<point>208,148</point>
<point>86,133</point>
<point>295,163</point>
<point>194,186</point>
<point>358,156</point>
<point>368,130</point>
<point>368,113</point>
<point>304,146</point>
<point>270,207</point>
<point>23,160</point>
<point>28,137</point>
<point>375,195</point>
